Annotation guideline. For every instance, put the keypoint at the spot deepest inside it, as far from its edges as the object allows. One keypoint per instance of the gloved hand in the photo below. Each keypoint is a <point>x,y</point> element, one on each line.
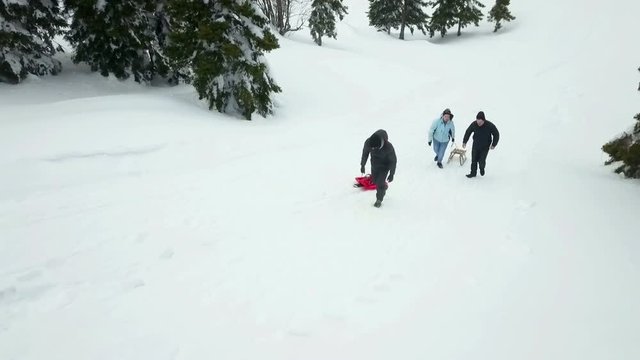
<point>429,143</point>
<point>464,145</point>
<point>362,169</point>
<point>453,141</point>
<point>492,147</point>
<point>390,178</point>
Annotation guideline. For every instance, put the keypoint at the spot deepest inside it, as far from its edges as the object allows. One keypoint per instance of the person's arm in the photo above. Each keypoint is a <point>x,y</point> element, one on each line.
<point>432,129</point>
<point>496,136</point>
<point>467,134</point>
<point>365,155</point>
<point>392,164</point>
<point>453,132</point>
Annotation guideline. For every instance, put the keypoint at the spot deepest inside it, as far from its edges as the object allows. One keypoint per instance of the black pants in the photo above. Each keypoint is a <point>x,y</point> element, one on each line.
<point>379,177</point>
<point>478,156</point>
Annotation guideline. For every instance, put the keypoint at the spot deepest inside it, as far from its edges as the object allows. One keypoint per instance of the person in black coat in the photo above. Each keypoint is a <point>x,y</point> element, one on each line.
<point>383,162</point>
<point>485,137</point>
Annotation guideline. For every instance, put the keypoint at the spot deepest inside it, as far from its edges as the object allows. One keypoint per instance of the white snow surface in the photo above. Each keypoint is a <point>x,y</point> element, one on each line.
<point>101,4</point>
<point>136,224</point>
<point>16,2</point>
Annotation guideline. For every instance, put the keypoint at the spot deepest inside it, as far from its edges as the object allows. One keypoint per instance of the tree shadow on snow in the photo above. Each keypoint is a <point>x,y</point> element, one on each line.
<point>327,43</point>
<point>469,35</point>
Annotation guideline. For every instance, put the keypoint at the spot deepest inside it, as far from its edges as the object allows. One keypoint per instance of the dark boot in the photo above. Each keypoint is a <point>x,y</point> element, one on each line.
<point>470,175</point>
<point>377,203</point>
<point>481,172</point>
<point>440,165</point>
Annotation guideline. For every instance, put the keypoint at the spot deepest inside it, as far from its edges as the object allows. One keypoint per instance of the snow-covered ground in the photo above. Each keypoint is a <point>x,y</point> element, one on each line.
<point>136,224</point>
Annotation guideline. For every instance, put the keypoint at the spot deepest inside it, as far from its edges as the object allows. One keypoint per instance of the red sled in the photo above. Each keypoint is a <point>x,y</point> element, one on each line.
<point>365,183</point>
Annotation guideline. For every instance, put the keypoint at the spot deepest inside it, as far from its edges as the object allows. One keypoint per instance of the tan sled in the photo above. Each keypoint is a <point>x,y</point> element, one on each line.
<point>461,153</point>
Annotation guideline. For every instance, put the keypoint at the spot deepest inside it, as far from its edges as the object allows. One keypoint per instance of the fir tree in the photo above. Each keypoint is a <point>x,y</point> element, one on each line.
<point>468,12</point>
<point>223,43</point>
<point>27,29</point>
<point>500,12</point>
<point>119,37</point>
<point>322,21</point>
<point>385,14</point>
<point>159,30</point>
<point>413,15</point>
<point>444,16</point>
<point>626,149</point>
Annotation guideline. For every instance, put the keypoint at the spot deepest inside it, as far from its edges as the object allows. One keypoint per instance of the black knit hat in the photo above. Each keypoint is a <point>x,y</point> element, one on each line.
<point>481,116</point>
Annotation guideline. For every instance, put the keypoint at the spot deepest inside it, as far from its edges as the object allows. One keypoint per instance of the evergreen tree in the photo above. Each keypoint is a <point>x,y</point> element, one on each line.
<point>468,12</point>
<point>500,12</point>
<point>385,14</point>
<point>413,14</point>
<point>626,149</point>
<point>444,16</point>
<point>223,42</point>
<point>322,21</point>
<point>27,29</point>
<point>119,37</point>
<point>159,30</point>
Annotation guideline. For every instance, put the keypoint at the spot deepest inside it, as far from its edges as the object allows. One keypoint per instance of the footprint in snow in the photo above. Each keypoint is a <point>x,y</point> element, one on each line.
<point>54,263</point>
<point>525,205</point>
<point>298,333</point>
<point>396,277</point>
<point>134,284</point>
<point>381,288</point>
<point>7,293</point>
<point>366,300</point>
<point>142,237</point>
<point>167,254</point>
<point>28,276</point>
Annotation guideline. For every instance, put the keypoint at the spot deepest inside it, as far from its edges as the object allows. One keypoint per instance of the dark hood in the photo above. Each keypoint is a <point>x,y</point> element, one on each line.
<point>378,139</point>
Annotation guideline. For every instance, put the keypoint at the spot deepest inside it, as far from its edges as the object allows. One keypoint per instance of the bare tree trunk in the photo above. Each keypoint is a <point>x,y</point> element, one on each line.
<point>269,10</point>
<point>403,20</point>
<point>459,26</point>
<point>287,24</point>
<point>280,16</point>
<point>280,13</point>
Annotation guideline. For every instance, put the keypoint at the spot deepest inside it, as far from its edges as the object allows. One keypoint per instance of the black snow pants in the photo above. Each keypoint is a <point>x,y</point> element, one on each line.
<point>379,177</point>
<point>478,157</point>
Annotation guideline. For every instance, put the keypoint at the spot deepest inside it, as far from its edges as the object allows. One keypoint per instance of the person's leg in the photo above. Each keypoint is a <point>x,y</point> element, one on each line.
<point>381,187</point>
<point>482,160</point>
<point>435,150</point>
<point>474,161</point>
<point>442,147</point>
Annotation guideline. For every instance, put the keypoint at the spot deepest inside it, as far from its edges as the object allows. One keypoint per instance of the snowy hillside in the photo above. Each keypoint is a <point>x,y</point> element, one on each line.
<point>136,224</point>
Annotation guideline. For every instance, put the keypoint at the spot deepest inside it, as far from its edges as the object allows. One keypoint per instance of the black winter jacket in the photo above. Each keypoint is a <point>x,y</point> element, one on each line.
<point>484,136</point>
<point>383,158</point>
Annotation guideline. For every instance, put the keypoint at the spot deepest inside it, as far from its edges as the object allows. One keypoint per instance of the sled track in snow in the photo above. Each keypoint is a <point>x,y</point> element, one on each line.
<point>98,154</point>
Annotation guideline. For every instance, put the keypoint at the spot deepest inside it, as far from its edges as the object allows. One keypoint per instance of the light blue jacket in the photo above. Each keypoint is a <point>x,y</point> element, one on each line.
<point>441,131</point>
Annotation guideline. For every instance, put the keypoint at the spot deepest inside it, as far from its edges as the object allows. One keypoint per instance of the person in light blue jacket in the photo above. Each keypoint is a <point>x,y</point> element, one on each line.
<point>440,132</point>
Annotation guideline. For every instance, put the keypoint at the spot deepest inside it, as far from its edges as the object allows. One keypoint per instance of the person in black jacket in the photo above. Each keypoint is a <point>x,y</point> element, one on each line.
<point>485,137</point>
<point>383,162</point>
